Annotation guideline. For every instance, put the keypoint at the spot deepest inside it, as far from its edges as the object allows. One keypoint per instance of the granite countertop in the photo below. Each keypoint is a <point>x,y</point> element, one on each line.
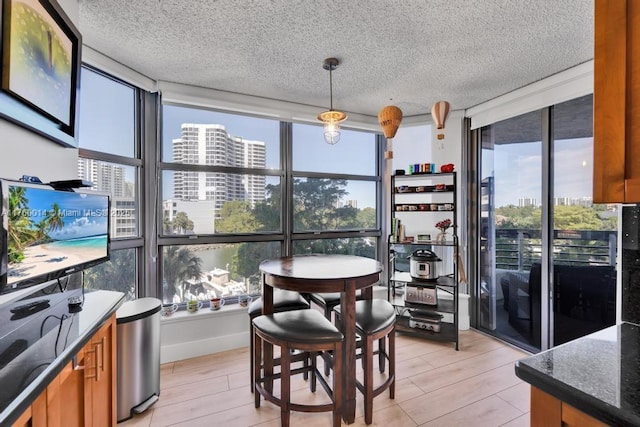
<point>43,343</point>
<point>598,374</point>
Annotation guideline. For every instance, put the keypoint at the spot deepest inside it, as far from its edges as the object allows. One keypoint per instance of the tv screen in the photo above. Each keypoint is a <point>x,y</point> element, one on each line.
<point>50,233</point>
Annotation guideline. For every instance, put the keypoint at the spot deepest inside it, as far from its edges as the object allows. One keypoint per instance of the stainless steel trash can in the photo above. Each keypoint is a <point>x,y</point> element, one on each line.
<point>138,327</point>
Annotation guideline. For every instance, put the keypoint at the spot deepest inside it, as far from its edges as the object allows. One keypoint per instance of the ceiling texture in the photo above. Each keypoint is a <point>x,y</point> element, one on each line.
<point>410,53</point>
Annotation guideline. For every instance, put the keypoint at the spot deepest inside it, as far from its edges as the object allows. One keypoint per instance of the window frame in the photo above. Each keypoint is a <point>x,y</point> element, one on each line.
<point>138,162</point>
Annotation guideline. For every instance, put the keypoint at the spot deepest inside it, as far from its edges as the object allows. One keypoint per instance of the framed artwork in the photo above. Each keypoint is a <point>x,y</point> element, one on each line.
<point>40,68</point>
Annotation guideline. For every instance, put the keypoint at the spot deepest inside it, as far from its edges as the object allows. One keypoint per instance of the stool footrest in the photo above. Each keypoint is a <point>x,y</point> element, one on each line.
<point>378,390</point>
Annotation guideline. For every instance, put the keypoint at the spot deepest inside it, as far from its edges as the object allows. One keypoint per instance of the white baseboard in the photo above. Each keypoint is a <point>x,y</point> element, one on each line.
<point>190,349</point>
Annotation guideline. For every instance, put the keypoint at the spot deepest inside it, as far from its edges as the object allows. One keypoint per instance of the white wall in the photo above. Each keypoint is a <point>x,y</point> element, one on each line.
<point>25,152</point>
<point>186,335</point>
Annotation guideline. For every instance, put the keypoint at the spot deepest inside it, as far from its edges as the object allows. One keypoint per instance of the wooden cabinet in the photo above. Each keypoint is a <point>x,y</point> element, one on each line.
<point>546,410</point>
<point>84,393</point>
<point>100,377</point>
<point>616,133</point>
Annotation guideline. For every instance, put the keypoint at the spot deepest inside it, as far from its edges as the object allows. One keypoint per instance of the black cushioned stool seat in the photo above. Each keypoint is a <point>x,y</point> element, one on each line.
<point>328,301</point>
<point>375,320</point>
<point>282,301</point>
<point>305,330</point>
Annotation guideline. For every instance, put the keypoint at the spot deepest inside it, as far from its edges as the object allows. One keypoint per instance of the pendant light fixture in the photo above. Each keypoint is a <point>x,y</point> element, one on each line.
<point>439,113</point>
<point>331,118</point>
<point>389,118</point>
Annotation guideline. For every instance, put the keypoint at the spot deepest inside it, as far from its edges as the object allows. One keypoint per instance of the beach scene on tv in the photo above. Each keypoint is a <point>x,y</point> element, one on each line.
<point>53,230</point>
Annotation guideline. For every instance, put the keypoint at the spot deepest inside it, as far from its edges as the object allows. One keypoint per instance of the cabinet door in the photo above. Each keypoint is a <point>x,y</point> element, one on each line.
<point>100,377</point>
<point>616,171</point>
<point>571,417</point>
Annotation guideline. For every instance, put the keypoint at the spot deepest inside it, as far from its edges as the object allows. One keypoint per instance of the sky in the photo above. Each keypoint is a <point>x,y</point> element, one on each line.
<point>352,154</point>
<point>516,167</point>
<point>517,170</point>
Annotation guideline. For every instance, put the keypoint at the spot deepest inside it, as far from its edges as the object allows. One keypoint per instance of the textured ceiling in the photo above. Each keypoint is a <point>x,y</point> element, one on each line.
<point>411,52</point>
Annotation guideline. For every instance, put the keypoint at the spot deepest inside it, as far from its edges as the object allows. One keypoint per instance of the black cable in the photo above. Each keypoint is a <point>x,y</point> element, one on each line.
<point>65,285</point>
<point>61,319</point>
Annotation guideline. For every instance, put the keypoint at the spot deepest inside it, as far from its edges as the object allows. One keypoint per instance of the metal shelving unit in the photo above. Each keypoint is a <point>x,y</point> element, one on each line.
<point>420,200</point>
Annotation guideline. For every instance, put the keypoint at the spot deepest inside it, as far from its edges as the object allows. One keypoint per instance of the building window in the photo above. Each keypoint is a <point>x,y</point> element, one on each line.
<point>109,157</point>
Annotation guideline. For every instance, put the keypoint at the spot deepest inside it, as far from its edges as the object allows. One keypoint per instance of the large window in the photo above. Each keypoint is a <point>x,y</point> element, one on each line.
<point>221,187</point>
<point>229,200</point>
<point>335,189</point>
<point>109,157</point>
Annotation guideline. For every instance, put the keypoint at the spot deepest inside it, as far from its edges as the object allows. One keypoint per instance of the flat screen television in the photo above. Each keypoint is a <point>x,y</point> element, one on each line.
<point>47,234</point>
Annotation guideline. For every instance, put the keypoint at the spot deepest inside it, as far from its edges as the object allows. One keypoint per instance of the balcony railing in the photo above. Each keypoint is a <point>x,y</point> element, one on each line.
<point>517,249</point>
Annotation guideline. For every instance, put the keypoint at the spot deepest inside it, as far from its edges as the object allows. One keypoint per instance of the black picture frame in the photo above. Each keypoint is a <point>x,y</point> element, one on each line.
<point>40,69</point>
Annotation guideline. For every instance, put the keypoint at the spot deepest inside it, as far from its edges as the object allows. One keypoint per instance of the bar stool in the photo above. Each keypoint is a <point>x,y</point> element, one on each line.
<point>282,301</point>
<point>327,302</point>
<point>375,320</point>
<point>305,330</point>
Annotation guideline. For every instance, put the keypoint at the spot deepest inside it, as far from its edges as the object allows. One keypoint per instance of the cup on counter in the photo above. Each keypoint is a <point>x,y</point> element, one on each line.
<point>244,300</point>
<point>216,303</point>
<point>193,306</point>
<point>169,309</point>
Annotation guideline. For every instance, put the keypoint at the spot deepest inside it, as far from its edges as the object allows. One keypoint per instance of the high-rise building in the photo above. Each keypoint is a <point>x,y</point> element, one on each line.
<point>211,145</point>
<point>527,201</point>
<point>111,179</point>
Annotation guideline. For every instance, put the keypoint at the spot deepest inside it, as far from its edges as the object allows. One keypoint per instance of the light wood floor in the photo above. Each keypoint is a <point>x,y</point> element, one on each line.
<point>436,386</point>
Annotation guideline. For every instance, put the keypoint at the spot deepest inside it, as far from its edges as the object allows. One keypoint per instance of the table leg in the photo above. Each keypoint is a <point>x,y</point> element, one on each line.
<point>348,324</point>
<point>267,348</point>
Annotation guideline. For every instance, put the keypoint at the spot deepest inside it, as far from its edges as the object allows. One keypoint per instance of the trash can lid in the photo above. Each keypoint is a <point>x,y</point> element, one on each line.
<point>137,309</point>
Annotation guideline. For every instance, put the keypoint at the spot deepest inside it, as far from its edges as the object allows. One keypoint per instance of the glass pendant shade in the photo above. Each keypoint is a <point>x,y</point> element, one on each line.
<point>331,118</point>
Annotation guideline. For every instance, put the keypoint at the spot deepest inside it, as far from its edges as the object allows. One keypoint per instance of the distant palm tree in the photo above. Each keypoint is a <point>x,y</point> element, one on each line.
<point>179,264</point>
<point>118,274</point>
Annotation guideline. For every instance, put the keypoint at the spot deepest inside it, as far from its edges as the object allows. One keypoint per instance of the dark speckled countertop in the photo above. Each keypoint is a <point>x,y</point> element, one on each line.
<point>47,340</point>
<point>598,374</point>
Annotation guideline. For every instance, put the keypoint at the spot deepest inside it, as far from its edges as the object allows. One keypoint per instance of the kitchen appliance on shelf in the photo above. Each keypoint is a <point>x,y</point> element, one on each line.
<point>429,321</point>
<point>424,265</point>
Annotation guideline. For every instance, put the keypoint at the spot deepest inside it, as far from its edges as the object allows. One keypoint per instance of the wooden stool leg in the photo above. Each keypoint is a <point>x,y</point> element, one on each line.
<point>381,354</point>
<point>367,350</point>
<point>257,364</point>
<point>285,386</point>
<point>392,363</point>
<point>267,363</point>
<point>326,356</point>
<point>252,358</point>
<point>337,386</point>
<point>314,363</point>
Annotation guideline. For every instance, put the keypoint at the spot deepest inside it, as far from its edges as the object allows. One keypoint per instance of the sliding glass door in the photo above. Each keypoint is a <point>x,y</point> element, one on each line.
<point>584,234</point>
<point>510,228</point>
<point>546,265</point>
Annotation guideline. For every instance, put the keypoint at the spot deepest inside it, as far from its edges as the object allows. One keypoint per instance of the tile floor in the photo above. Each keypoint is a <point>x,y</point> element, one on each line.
<point>436,386</point>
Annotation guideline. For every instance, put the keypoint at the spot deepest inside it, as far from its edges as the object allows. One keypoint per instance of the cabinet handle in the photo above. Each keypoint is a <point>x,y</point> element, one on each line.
<point>99,359</point>
<point>103,342</point>
<point>87,365</point>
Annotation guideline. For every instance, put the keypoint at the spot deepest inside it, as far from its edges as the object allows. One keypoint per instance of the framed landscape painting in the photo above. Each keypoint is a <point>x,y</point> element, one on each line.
<point>40,67</point>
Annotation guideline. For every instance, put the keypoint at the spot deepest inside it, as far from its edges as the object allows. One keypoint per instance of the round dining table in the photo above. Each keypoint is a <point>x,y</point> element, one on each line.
<point>320,273</point>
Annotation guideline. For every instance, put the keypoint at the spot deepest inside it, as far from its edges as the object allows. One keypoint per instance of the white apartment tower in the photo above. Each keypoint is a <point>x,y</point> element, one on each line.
<point>111,179</point>
<point>211,145</point>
